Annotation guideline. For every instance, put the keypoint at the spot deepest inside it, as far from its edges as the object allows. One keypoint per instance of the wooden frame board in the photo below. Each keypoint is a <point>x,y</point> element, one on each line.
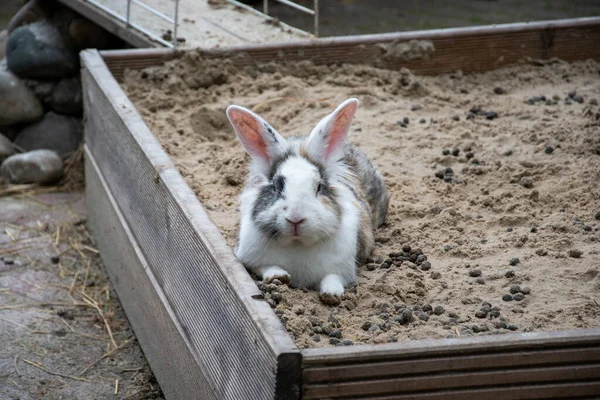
<point>179,281</point>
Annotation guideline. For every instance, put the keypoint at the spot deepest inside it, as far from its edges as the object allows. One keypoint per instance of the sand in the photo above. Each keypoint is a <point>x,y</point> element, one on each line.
<point>512,197</point>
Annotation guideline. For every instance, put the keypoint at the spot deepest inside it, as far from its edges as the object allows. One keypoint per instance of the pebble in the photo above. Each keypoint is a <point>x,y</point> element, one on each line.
<point>507,297</point>
<point>549,150</point>
<point>455,118</point>
<point>455,152</point>
<point>491,115</point>
<point>427,308</point>
<point>366,325</point>
<point>298,310</point>
<point>436,275</point>
<point>55,259</point>
<point>317,329</point>
<point>518,297</point>
<point>541,252</point>
<point>371,266</point>
<point>405,316</point>
<point>480,281</point>
<point>578,98</point>
<point>336,333</point>
<point>415,107</point>
<point>494,313</point>
<point>406,248</point>
<point>526,182</point>
<point>515,289</point>
<point>508,153</point>
<point>276,282</point>
<point>346,342</point>
<point>316,338</point>
<point>593,102</point>
<point>480,314</point>
<point>525,290</point>
<point>9,261</point>
<point>422,121</point>
<point>425,266</point>
<point>373,328</point>
<point>422,316</point>
<point>514,261</point>
<point>406,120</point>
<point>438,310</point>
<point>475,273</point>
<point>597,216</point>
<point>470,115</point>
<point>38,50</point>
<point>575,253</point>
<point>334,341</point>
<point>59,133</point>
<point>469,155</point>
<point>18,103</point>
<point>446,152</point>
<point>39,166</point>
<point>276,297</point>
<point>512,327</point>
<point>509,229</point>
<point>533,230</point>
<point>499,90</point>
<point>392,339</point>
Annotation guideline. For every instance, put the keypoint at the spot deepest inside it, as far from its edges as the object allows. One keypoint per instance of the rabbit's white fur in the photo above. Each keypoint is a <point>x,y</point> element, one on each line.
<point>301,215</point>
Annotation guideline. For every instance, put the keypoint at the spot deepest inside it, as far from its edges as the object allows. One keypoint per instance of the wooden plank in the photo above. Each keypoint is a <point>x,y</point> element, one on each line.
<point>140,294</point>
<point>421,365</point>
<point>509,376</point>
<point>110,24</point>
<point>578,390</point>
<point>239,344</point>
<point>468,49</point>
<point>489,344</point>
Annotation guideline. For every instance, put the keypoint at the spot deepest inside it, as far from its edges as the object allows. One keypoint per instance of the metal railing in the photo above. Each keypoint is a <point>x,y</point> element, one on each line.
<point>129,23</point>
<point>314,11</point>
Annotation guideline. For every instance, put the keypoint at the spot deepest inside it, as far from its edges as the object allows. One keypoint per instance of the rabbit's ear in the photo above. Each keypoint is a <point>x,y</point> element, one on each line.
<point>258,137</point>
<point>327,139</point>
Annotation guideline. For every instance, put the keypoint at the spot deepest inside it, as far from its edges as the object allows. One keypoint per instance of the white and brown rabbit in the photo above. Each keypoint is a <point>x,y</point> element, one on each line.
<point>310,203</point>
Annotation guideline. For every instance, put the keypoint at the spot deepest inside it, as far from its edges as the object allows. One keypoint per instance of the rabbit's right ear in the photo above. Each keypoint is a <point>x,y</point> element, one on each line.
<point>259,139</point>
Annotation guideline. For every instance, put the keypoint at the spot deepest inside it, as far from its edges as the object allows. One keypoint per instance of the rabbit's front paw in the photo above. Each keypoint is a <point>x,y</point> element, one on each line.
<point>271,273</point>
<point>332,290</point>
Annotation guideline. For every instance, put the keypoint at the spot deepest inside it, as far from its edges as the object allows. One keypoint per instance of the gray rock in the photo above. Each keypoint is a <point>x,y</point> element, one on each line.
<point>66,97</point>
<point>33,11</point>
<point>39,166</point>
<point>39,51</point>
<point>55,132</point>
<point>42,90</point>
<point>17,101</point>
<point>6,148</point>
<point>3,40</point>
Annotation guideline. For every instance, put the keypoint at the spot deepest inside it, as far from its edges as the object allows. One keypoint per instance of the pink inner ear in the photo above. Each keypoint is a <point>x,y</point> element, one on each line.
<point>248,130</point>
<point>339,127</point>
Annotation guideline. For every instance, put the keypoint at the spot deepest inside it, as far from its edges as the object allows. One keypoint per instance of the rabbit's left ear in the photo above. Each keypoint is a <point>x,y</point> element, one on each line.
<point>327,139</point>
<point>259,139</point>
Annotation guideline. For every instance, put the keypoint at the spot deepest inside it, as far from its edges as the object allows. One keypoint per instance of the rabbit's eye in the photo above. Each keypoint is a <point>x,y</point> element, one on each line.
<point>320,188</point>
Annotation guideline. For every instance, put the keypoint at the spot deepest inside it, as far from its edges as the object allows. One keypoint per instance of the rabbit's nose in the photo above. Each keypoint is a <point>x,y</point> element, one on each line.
<point>295,220</point>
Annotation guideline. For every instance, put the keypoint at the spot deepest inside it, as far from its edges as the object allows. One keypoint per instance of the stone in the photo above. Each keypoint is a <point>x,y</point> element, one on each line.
<point>39,166</point>
<point>3,40</point>
<point>55,132</point>
<point>39,51</point>
<point>34,10</point>
<point>84,34</point>
<point>42,89</point>
<point>66,97</point>
<point>6,148</point>
<point>17,102</point>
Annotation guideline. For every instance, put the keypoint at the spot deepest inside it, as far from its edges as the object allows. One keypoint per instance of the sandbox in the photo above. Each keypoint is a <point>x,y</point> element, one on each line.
<point>517,209</point>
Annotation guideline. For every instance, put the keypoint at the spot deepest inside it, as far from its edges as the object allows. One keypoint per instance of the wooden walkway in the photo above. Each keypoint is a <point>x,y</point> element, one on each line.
<point>202,23</point>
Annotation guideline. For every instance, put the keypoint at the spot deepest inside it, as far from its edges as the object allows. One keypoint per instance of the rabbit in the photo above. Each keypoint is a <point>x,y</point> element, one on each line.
<point>310,204</point>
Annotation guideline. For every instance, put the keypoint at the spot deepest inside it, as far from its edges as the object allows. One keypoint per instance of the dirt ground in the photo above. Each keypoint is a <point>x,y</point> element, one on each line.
<point>56,306</point>
<point>516,218</point>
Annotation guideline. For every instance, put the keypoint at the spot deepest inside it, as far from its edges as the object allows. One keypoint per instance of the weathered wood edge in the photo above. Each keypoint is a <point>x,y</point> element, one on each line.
<point>281,344</point>
<point>436,347</point>
<point>169,353</point>
<point>117,28</point>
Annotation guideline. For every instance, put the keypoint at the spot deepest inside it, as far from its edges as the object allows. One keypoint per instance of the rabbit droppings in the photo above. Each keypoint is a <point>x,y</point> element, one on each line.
<point>310,203</point>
